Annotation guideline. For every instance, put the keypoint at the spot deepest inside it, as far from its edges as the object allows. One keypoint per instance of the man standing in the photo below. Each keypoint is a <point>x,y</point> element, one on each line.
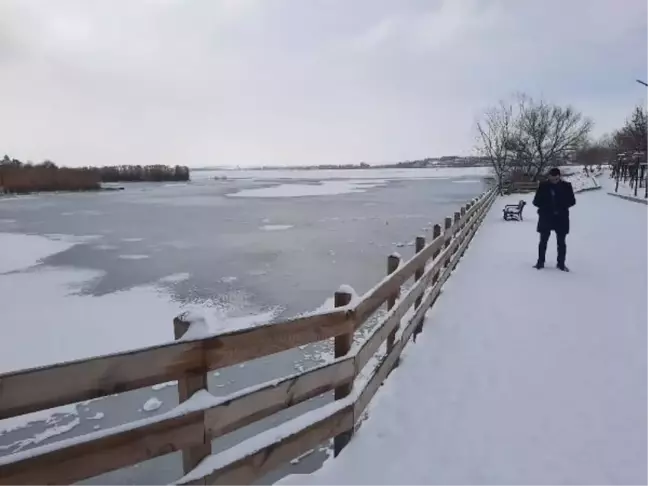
<point>553,199</point>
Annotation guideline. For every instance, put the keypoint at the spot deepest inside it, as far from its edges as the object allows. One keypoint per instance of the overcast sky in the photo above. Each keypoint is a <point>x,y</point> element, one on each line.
<point>247,82</point>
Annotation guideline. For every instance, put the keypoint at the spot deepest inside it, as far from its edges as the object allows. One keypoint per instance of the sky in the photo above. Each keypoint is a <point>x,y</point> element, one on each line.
<point>300,82</point>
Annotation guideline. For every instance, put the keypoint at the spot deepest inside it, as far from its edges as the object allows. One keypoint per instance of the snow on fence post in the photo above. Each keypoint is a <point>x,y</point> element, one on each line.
<point>342,346</point>
<point>420,244</point>
<point>393,262</point>
<point>192,382</point>
<point>448,225</point>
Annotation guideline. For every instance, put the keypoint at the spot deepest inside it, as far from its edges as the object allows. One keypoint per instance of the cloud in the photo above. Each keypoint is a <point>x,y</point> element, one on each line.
<point>245,82</point>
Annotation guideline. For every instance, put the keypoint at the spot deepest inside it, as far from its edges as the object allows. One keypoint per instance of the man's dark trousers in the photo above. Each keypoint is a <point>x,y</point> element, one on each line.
<point>562,246</point>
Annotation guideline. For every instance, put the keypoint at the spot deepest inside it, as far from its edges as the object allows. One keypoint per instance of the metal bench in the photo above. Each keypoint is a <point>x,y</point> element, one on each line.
<point>513,212</point>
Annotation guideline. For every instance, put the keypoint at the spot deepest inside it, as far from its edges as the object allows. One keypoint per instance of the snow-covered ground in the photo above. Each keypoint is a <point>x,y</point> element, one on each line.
<point>521,376</point>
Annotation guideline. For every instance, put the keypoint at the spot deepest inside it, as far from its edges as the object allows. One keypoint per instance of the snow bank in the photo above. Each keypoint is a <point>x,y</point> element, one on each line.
<point>582,182</point>
<point>23,251</point>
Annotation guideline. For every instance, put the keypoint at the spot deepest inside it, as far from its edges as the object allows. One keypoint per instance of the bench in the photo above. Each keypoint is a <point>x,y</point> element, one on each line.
<point>522,187</point>
<point>513,212</point>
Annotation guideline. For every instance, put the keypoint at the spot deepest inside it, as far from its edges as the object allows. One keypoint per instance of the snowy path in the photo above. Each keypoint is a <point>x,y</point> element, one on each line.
<point>521,376</point>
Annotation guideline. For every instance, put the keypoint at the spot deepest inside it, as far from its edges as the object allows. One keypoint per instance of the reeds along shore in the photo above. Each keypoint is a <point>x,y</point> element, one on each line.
<point>18,178</point>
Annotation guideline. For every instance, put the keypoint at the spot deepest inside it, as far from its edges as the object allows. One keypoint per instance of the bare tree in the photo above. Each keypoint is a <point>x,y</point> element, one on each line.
<point>530,136</point>
<point>549,134</point>
<point>495,134</point>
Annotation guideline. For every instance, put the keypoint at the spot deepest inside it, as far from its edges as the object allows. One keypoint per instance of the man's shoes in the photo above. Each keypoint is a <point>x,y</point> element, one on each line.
<point>561,266</point>
<point>538,266</point>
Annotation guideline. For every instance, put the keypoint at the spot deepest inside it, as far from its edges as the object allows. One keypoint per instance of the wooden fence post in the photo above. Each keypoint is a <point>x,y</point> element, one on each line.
<point>457,218</point>
<point>342,346</point>
<point>420,244</point>
<point>448,225</point>
<point>436,232</point>
<point>393,262</point>
<point>187,386</point>
<point>464,226</point>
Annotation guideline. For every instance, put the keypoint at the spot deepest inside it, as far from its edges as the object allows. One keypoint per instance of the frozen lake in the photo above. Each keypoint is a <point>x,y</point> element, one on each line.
<point>85,274</point>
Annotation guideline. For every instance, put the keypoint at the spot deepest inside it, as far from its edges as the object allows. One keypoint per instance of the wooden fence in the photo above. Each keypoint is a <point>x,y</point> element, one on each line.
<point>355,374</point>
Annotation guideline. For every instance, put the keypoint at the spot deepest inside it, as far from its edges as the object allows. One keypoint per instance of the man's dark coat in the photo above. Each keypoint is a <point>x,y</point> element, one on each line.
<point>553,202</point>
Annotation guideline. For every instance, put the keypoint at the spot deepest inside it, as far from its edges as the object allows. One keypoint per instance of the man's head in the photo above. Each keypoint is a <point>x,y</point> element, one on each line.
<point>554,175</point>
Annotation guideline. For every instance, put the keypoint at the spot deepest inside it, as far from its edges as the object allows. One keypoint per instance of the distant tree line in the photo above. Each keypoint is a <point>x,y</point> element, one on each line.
<point>20,178</point>
<point>143,173</point>
<point>25,177</point>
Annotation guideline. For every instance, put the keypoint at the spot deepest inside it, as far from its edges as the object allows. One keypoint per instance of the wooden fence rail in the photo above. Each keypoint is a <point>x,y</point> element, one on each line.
<point>201,417</point>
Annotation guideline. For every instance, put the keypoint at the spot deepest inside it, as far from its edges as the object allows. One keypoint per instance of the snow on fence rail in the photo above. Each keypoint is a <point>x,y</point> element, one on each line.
<point>201,416</point>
